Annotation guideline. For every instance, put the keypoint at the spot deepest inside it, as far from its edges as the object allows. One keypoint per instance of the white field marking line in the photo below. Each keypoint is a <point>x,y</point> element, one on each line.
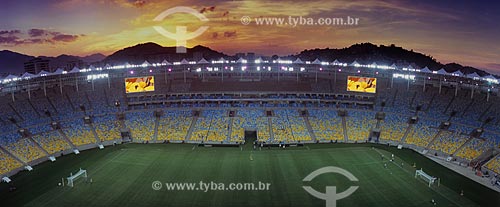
<point>458,204</point>
<point>131,163</point>
<point>106,163</point>
<point>68,190</point>
<point>368,163</point>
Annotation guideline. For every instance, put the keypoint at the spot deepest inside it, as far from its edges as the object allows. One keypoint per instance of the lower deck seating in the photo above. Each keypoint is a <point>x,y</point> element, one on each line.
<point>174,125</point>
<point>494,164</point>
<point>141,125</point>
<point>263,131</point>
<point>281,129</point>
<point>471,150</point>
<point>299,129</point>
<point>52,142</point>
<point>326,125</point>
<point>8,163</point>
<point>212,126</point>
<point>79,133</point>
<point>448,142</point>
<point>288,126</point>
<point>359,125</point>
<point>107,128</point>
<point>25,150</point>
<point>393,127</point>
<point>237,130</point>
<point>421,135</point>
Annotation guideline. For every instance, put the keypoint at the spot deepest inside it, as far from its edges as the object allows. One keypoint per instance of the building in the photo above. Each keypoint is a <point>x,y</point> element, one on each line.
<point>75,63</point>
<point>34,66</point>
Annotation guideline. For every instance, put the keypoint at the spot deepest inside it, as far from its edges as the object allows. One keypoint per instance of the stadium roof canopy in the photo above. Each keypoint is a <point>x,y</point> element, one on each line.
<point>298,61</point>
<point>355,63</point>
<point>184,62</point>
<point>458,73</point>
<point>74,70</point>
<point>425,70</point>
<point>316,62</point>
<point>43,73</point>
<point>442,72</point>
<point>165,62</point>
<point>202,61</point>
<point>27,75</point>
<point>146,63</point>
<point>241,60</point>
<point>59,71</point>
<point>490,78</point>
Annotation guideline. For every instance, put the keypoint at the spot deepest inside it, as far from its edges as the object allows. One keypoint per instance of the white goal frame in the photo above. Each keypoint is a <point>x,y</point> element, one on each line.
<point>428,178</point>
<point>79,174</point>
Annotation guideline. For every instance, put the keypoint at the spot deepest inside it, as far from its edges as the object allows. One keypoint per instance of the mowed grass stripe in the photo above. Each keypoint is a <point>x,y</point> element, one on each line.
<point>123,175</point>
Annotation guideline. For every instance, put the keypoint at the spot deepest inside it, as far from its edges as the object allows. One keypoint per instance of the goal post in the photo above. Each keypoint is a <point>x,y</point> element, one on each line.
<point>428,178</point>
<point>80,174</point>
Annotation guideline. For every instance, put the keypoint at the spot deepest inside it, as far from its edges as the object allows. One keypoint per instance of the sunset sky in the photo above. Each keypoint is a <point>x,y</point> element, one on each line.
<point>466,32</point>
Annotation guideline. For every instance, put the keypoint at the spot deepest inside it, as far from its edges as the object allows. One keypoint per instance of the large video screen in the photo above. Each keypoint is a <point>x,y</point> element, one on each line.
<point>140,84</point>
<point>362,84</point>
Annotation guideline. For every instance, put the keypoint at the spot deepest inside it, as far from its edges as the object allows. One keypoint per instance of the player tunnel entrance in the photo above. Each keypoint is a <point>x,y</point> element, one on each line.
<point>250,136</point>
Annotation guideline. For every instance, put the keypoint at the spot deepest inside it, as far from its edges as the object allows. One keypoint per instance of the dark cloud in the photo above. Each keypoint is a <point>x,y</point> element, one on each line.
<point>65,38</point>
<point>37,32</point>
<point>10,40</point>
<point>10,32</point>
<point>207,9</point>
<point>226,34</point>
<point>35,36</point>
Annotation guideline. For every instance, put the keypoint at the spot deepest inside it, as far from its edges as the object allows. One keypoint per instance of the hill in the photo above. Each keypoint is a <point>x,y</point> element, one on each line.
<point>153,52</point>
<point>367,53</point>
<point>364,53</point>
<point>13,62</point>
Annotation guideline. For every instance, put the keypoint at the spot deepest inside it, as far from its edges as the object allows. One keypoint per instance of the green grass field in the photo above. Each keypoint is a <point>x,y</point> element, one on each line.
<point>123,176</point>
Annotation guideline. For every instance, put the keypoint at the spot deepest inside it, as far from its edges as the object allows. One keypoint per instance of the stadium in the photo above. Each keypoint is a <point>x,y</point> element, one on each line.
<point>198,103</point>
<point>102,135</point>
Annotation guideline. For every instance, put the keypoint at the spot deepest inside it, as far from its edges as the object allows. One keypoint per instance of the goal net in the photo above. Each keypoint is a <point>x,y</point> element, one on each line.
<point>426,177</point>
<point>80,174</point>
